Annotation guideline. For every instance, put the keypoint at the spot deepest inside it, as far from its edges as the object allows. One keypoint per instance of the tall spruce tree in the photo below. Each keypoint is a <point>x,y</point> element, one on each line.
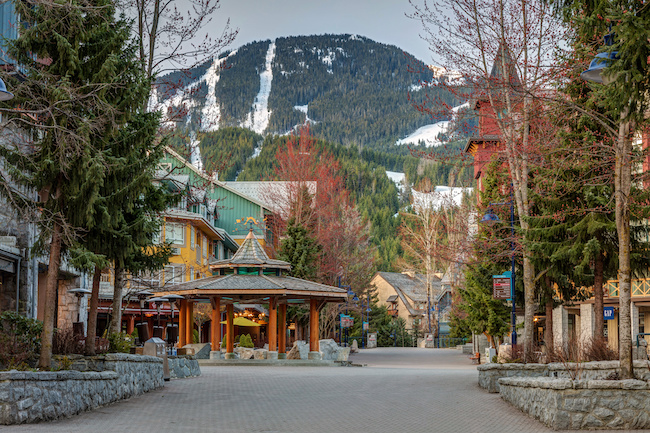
<point>72,101</point>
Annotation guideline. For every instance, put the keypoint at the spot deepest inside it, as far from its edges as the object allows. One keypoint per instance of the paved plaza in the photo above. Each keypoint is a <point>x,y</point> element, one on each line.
<point>400,390</point>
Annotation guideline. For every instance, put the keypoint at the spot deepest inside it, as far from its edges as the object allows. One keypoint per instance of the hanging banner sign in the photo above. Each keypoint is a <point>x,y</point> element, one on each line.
<point>500,287</point>
<point>346,321</point>
<point>608,313</point>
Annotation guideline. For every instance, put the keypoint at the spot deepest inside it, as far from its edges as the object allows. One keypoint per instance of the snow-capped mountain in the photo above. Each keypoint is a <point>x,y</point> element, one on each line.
<point>349,88</point>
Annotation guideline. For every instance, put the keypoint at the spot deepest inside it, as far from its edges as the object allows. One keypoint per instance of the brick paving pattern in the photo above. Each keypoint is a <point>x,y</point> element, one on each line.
<point>400,390</point>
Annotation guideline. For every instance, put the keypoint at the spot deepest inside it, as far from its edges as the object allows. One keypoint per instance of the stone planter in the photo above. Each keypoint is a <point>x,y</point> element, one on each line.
<point>489,374</point>
<point>40,396</point>
<point>581,404</point>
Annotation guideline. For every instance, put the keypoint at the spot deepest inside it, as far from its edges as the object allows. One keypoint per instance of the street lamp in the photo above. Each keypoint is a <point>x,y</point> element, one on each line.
<point>5,95</point>
<point>491,217</point>
<point>599,63</point>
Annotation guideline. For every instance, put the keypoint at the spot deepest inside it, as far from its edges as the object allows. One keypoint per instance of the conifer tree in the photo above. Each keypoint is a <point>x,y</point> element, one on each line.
<point>76,95</point>
<point>299,249</point>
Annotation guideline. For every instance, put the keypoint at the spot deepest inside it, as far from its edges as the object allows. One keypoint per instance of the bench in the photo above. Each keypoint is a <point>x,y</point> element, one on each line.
<point>475,358</point>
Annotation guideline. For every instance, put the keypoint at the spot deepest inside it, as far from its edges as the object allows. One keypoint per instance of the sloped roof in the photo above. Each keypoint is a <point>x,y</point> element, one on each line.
<point>255,288</point>
<point>415,288</point>
<point>250,254</point>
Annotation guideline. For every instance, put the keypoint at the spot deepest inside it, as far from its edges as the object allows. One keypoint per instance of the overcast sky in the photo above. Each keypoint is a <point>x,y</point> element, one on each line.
<point>381,20</point>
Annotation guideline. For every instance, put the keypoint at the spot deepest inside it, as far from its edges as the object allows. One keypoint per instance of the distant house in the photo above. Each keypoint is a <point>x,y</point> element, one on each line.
<point>405,296</point>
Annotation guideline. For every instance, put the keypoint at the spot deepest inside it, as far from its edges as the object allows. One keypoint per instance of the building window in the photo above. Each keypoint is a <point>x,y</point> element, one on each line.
<point>205,250</point>
<point>192,237</point>
<point>641,323</point>
<point>175,233</point>
<point>173,275</point>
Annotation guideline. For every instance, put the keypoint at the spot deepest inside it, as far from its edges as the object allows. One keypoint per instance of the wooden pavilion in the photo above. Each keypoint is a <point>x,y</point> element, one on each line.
<point>251,277</point>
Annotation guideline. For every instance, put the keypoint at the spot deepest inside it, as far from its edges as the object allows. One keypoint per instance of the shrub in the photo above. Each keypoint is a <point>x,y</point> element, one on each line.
<point>246,341</point>
<point>120,342</point>
<point>20,340</point>
<point>195,336</point>
<point>65,342</point>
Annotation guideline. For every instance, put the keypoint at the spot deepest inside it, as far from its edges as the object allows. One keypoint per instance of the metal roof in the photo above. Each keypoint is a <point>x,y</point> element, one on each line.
<point>250,254</point>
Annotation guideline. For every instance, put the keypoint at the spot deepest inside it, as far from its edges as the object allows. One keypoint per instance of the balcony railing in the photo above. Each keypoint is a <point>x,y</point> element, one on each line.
<point>640,287</point>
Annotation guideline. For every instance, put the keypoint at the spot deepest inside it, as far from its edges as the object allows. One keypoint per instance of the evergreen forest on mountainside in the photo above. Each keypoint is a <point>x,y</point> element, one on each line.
<point>355,90</point>
<point>376,196</point>
<point>356,96</point>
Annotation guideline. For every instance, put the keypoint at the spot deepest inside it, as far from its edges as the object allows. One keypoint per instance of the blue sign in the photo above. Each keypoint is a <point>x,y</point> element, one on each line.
<point>608,313</point>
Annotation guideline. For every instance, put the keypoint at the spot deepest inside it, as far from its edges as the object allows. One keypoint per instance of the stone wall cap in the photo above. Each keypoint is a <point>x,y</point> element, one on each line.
<point>510,366</point>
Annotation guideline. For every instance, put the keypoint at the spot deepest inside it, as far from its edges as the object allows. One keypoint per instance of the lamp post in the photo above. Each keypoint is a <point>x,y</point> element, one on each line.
<point>5,95</point>
<point>491,217</point>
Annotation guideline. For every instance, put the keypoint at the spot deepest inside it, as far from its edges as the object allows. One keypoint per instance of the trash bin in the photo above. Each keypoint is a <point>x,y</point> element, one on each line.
<point>157,347</point>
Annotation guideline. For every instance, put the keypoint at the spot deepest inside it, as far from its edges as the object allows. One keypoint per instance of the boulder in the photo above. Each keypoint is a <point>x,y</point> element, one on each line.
<point>294,353</point>
<point>354,347</point>
<point>246,353</point>
<point>259,354</point>
<point>201,351</point>
<point>343,354</point>
<point>300,350</point>
<point>328,349</point>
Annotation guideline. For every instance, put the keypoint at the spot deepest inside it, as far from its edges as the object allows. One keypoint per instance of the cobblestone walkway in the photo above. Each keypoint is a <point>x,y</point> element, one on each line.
<point>401,390</point>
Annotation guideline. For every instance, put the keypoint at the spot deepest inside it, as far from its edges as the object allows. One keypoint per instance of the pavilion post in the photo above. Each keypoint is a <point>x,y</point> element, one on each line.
<point>181,323</point>
<point>215,327</point>
<point>189,322</point>
<point>282,331</point>
<point>273,329</point>
<point>230,331</point>
<point>314,348</point>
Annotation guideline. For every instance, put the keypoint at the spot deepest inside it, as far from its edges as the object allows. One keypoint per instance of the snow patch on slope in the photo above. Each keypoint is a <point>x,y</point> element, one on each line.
<point>429,133</point>
<point>398,178</point>
<point>442,196</point>
<point>211,111</point>
<point>258,119</point>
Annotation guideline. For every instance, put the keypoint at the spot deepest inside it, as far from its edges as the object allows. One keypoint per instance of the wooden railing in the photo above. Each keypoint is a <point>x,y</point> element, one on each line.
<point>640,287</point>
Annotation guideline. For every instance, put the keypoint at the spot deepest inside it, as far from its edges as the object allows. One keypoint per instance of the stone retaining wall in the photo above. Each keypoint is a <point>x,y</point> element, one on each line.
<point>39,396</point>
<point>581,404</point>
<point>183,366</point>
<point>489,374</point>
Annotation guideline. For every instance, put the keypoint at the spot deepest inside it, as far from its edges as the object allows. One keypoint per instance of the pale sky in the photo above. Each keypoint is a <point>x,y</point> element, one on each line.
<point>381,20</point>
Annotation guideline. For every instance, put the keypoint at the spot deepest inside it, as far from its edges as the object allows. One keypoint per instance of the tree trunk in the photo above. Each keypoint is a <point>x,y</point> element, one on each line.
<point>599,320</point>
<point>116,318</point>
<point>45,359</point>
<point>622,184</point>
<point>529,308</point>
<point>92,314</point>
<point>548,332</point>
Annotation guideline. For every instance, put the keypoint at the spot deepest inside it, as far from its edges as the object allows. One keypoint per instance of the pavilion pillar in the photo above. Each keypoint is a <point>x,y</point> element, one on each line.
<point>314,348</point>
<point>230,331</point>
<point>282,331</point>
<point>189,321</point>
<point>215,328</point>
<point>273,329</point>
<point>182,312</point>
<point>130,325</point>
